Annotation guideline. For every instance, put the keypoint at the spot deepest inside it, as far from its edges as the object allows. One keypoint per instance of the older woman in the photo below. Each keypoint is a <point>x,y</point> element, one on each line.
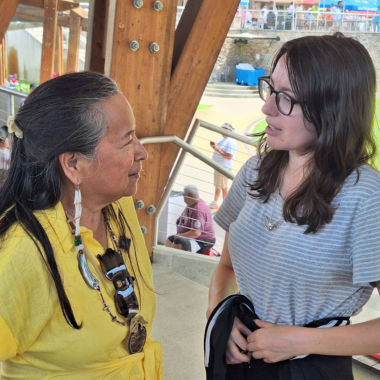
<point>77,298</point>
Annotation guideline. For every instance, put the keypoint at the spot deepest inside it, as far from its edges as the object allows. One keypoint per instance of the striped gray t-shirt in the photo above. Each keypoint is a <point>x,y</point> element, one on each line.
<point>293,278</point>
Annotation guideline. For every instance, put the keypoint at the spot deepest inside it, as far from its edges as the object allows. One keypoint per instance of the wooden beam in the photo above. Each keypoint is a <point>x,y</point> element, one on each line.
<point>7,10</point>
<point>74,42</point>
<point>192,71</point>
<point>3,62</point>
<point>48,40</point>
<point>98,36</point>
<point>184,27</point>
<point>63,5</point>
<point>58,53</point>
<point>37,15</point>
<point>144,78</point>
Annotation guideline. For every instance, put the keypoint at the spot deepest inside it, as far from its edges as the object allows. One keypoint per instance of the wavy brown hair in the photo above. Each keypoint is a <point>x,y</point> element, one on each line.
<point>334,79</point>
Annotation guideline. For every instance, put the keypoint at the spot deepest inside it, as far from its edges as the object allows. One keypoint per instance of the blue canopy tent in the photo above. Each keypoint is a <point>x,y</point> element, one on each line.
<point>353,5</point>
<point>361,5</point>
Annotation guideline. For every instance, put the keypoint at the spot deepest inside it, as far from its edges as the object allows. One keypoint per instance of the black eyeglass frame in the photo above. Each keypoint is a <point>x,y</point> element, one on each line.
<point>293,101</point>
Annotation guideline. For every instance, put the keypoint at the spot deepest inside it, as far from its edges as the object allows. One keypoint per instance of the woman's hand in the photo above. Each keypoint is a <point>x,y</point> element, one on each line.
<point>274,343</point>
<point>238,343</point>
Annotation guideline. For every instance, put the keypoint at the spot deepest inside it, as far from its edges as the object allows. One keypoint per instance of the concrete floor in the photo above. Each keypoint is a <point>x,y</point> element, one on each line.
<point>180,322</point>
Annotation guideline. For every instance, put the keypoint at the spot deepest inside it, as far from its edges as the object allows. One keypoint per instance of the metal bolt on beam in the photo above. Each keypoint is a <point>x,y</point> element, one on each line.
<point>158,6</point>
<point>151,209</point>
<point>138,3</point>
<point>134,46</point>
<point>154,48</point>
<point>144,230</point>
<point>139,205</point>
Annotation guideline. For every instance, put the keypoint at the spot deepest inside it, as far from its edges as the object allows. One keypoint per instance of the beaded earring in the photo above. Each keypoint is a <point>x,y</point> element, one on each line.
<point>78,213</point>
<point>87,275</point>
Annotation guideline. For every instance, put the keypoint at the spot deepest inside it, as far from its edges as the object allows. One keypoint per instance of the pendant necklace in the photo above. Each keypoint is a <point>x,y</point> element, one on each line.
<point>137,334</point>
<point>270,224</point>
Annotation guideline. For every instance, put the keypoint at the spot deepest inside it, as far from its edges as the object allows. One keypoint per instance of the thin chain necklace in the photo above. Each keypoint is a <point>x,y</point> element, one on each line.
<point>270,224</point>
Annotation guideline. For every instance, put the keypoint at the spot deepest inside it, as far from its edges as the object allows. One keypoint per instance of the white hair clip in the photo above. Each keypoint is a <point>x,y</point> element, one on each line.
<point>13,128</point>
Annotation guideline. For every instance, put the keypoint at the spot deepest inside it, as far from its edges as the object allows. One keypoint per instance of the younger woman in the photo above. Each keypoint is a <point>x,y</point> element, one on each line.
<point>303,219</point>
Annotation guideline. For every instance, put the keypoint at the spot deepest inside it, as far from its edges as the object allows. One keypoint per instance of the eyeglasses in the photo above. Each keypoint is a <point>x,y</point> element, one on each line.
<point>284,102</point>
<point>113,266</point>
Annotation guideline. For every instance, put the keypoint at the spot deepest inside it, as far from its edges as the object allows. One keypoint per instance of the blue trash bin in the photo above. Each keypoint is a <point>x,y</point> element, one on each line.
<point>246,74</point>
<point>257,73</point>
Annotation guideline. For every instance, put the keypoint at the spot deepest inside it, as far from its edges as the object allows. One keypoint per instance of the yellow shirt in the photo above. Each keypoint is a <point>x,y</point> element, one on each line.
<point>35,340</point>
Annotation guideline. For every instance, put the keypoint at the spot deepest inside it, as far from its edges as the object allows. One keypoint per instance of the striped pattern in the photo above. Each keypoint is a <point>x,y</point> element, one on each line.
<point>293,278</point>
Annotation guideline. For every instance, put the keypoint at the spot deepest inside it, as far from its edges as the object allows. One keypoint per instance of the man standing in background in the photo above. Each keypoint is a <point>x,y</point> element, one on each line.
<point>337,15</point>
<point>224,155</point>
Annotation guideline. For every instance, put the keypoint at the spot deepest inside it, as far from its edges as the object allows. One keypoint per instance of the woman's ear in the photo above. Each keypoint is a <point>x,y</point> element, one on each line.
<point>72,166</point>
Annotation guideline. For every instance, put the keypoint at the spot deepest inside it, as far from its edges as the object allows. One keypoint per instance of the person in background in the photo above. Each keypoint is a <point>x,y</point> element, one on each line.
<point>255,17</point>
<point>4,150</point>
<point>182,244</point>
<point>224,155</point>
<point>302,222</point>
<point>292,13</point>
<point>76,290</point>
<point>265,10</point>
<point>271,19</point>
<point>195,223</point>
<point>376,21</point>
<point>32,87</point>
<point>337,15</point>
<point>299,10</point>
<point>263,20</point>
<point>315,9</point>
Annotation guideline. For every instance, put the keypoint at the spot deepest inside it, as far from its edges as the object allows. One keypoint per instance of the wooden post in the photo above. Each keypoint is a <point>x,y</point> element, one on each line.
<point>201,47</point>
<point>144,78</point>
<point>98,41</point>
<point>48,40</point>
<point>58,53</point>
<point>7,10</point>
<point>74,42</point>
<point>3,62</point>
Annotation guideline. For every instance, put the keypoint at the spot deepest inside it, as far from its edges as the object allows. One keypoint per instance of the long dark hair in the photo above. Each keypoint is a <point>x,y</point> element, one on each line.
<point>62,115</point>
<point>334,78</point>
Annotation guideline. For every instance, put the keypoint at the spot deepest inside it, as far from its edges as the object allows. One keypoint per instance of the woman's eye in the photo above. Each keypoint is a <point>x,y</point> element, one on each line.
<point>286,98</point>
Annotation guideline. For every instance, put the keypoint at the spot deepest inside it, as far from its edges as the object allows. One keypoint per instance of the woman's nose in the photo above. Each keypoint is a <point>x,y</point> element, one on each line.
<point>270,106</point>
<point>140,152</point>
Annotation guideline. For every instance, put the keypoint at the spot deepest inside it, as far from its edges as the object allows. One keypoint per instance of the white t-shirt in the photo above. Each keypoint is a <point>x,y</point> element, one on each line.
<point>227,145</point>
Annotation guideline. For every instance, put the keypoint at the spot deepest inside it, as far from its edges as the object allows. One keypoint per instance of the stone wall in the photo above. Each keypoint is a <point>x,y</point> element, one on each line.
<point>259,53</point>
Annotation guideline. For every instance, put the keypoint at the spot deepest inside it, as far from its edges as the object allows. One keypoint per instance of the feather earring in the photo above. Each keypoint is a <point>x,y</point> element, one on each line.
<point>78,213</point>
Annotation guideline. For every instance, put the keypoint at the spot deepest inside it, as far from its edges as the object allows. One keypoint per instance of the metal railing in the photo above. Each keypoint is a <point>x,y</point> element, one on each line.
<point>303,20</point>
<point>10,102</point>
<point>199,173</point>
